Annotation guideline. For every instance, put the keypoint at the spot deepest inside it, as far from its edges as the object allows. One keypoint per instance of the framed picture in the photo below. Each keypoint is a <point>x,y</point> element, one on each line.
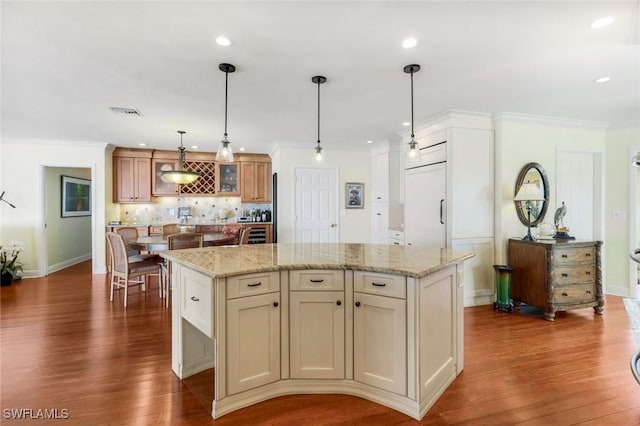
<point>76,197</point>
<point>354,193</point>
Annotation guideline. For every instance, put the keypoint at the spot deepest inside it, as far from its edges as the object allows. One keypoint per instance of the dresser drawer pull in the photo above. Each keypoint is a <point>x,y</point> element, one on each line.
<point>564,294</point>
<point>195,299</point>
<point>254,284</point>
<point>316,281</point>
<point>275,304</point>
<point>338,303</point>
<point>379,285</point>
<point>588,273</point>
<point>588,291</point>
<point>564,255</point>
<point>565,275</point>
<point>357,304</point>
<point>588,254</point>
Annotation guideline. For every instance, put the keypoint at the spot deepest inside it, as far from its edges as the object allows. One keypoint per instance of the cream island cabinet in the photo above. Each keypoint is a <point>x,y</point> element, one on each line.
<point>381,322</point>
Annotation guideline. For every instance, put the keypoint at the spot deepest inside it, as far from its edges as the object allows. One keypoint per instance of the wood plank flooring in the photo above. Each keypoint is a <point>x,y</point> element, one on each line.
<point>64,346</point>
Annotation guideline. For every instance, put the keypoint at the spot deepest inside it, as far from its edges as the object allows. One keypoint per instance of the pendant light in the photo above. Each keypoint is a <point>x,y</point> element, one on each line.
<point>225,153</point>
<point>318,79</point>
<point>414,154</point>
<point>180,175</point>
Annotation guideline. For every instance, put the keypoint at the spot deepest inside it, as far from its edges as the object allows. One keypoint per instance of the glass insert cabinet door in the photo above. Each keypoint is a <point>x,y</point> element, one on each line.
<point>227,179</point>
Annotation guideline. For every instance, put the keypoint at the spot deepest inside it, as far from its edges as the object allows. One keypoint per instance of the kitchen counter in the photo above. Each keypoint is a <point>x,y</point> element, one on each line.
<point>381,322</point>
<point>410,261</point>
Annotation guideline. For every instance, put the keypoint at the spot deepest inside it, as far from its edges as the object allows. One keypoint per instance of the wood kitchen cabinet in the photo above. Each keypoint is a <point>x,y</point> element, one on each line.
<point>317,324</point>
<point>380,331</point>
<point>227,179</point>
<point>556,275</point>
<point>132,176</point>
<point>256,180</point>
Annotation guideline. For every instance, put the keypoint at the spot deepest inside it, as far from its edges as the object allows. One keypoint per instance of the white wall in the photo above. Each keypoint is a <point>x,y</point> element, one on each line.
<point>621,142</point>
<point>524,139</point>
<point>22,176</point>
<point>68,238</point>
<point>353,166</point>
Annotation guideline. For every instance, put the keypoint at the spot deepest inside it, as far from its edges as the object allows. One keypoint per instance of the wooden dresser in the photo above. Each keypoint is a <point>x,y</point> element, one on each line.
<point>556,275</point>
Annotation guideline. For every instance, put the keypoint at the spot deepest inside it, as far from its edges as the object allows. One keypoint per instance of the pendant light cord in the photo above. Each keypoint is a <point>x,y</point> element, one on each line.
<point>318,112</point>
<point>412,103</point>
<point>226,85</point>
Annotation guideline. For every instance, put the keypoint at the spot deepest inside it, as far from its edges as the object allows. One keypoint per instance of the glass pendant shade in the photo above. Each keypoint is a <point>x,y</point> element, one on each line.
<point>318,153</point>
<point>180,175</point>
<point>414,151</point>
<point>225,153</point>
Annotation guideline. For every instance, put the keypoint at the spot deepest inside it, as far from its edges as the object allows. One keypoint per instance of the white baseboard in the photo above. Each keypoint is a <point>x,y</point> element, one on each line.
<point>617,291</point>
<point>67,263</point>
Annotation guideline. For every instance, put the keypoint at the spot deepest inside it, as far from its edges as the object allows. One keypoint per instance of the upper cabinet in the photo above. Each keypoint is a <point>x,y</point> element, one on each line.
<point>227,179</point>
<point>132,176</point>
<point>256,178</point>
<point>137,175</point>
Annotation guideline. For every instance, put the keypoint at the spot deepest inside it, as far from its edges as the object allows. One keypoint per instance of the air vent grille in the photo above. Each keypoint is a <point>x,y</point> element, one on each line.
<point>126,111</point>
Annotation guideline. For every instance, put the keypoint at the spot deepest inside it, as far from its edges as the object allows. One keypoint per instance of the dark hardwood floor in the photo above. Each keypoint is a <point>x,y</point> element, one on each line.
<point>64,346</point>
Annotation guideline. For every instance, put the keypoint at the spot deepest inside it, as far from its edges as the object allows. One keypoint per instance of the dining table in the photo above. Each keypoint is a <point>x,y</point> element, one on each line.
<point>158,243</point>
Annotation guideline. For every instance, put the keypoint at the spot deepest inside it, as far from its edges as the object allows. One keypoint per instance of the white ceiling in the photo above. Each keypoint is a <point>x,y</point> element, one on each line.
<point>65,64</point>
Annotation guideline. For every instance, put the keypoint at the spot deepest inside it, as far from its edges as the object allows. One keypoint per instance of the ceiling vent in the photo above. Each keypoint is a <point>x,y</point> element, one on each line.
<point>126,111</point>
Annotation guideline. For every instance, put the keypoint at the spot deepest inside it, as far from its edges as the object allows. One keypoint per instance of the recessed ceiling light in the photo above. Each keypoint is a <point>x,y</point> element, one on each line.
<point>406,123</point>
<point>369,141</point>
<point>241,149</point>
<point>410,42</point>
<point>194,146</point>
<point>602,79</point>
<point>142,144</point>
<point>602,22</point>
<point>223,41</point>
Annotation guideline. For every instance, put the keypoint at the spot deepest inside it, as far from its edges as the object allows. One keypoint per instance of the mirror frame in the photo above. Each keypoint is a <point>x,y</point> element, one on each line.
<point>545,204</point>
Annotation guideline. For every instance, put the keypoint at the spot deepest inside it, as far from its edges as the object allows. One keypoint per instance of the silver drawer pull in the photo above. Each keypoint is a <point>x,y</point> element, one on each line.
<point>316,281</point>
<point>195,299</point>
<point>379,285</point>
<point>254,284</point>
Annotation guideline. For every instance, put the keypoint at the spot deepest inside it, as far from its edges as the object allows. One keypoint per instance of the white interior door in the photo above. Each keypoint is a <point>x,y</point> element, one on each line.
<point>316,205</point>
<point>425,207</point>
<point>576,186</point>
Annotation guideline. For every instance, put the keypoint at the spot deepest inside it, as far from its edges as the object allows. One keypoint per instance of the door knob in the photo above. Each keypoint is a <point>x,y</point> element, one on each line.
<point>333,225</point>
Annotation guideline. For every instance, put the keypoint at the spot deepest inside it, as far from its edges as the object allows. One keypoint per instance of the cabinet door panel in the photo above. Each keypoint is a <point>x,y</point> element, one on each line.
<point>253,341</point>
<point>317,334</point>
<point>426,206</point>
<point>380,342</point>
<point>124,178</point>
<point>143,180</point>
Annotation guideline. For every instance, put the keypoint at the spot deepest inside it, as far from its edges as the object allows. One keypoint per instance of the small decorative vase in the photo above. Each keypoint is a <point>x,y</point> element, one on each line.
<point>6,279</point>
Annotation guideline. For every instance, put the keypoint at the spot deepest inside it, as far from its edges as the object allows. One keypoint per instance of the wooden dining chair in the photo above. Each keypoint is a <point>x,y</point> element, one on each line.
<point>178,241</point>
<point>244,235</point>
<point>125,274</point>
<point>169,228</point>
<point>130,235</point>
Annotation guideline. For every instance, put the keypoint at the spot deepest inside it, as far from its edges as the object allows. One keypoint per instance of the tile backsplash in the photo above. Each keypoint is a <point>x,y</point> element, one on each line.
<point>203,210</point>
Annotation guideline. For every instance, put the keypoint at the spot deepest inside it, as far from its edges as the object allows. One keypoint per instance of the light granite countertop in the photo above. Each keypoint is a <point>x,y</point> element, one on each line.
<point>226,261</point>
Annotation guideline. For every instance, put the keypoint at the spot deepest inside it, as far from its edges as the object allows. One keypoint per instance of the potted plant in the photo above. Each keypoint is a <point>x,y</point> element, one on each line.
<point>9,264</point>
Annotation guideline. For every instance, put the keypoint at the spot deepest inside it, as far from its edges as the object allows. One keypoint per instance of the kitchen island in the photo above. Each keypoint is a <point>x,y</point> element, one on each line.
<point>381,322</point>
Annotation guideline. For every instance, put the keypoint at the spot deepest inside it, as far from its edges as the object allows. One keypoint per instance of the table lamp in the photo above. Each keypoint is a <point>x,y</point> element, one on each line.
<point>529,192</point>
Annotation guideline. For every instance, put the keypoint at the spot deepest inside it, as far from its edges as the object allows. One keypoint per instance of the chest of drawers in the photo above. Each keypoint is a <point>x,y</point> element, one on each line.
<point>556,275</point>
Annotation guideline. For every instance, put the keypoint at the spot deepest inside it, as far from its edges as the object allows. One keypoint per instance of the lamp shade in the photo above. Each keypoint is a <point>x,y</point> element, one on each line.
<point>180,176</point>
<point>529,192</point>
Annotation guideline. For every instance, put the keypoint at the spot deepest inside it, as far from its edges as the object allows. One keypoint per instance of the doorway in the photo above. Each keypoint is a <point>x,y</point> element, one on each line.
<point>67,238</point>
<point>316,200</point>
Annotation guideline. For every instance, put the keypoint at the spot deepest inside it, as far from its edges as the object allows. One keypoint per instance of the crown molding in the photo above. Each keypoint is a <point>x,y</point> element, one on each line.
<point>550,121</point>
<point>452,118</point>
<point>625,125</point>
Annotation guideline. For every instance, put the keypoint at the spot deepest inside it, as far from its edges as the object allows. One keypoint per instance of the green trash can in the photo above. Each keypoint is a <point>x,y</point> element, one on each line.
<point>503,288</point>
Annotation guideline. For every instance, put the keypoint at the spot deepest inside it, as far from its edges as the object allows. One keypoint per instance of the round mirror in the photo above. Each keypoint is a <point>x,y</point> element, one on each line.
<point>532,173</point>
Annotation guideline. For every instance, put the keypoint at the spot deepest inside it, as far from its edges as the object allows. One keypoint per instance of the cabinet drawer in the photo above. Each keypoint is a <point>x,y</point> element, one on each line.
<point>399,235</point>
<point>396,242</point>
<point>310,279</point>
<point>208,228</point>
<point>380,284</point>
<point>251,284</point>
<point>155,230</point>
<point>565,256</point>
<point>573,274</point>
<point>197,299</point>
<point>580,293</point>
